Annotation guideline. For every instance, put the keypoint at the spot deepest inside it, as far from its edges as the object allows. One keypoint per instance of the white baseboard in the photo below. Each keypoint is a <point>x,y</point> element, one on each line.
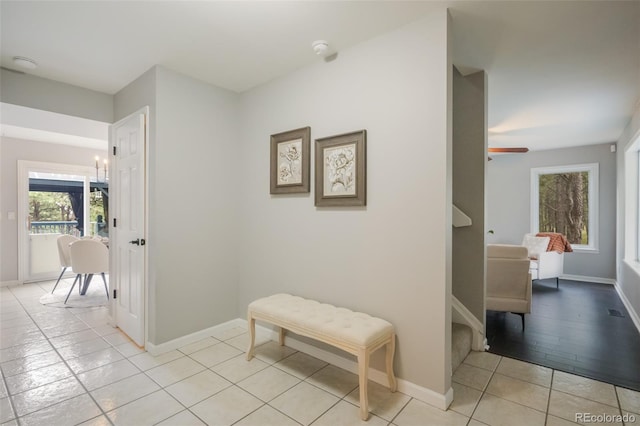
<point>441,401</point>
<point>627,304</point>
<point>9,283</point>
<point>588,279</point>
<point>193,337</point>
<point>460,314</point>
<point>12,283</point>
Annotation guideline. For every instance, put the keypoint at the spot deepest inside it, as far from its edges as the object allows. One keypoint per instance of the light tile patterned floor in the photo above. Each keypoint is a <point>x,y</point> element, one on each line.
<point>67,367</point>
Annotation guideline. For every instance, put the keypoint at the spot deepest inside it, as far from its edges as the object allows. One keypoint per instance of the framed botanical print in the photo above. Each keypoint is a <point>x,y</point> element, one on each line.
<point>341,170</point>
<point>290,152</point>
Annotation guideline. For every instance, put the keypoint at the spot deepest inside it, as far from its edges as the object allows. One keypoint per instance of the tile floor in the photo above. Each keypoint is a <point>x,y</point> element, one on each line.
<point>68,367</point>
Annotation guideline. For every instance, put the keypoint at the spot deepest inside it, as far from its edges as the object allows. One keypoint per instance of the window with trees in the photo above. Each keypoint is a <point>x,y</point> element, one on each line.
<point>56,205</point>
<point>564,200</point>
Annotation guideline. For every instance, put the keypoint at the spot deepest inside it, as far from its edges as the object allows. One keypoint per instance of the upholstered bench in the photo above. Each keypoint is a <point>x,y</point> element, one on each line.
<point>355,332</point>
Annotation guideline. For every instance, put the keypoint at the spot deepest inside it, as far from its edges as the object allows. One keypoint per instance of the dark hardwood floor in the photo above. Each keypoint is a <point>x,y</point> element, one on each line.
<point>574,328</point>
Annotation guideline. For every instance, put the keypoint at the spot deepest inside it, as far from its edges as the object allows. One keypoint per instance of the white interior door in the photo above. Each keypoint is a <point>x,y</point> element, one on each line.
<point>128,216</point>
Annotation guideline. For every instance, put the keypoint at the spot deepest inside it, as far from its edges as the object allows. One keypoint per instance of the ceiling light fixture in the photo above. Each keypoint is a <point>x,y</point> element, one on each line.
<point>26,63</point>
<point>321,47</point>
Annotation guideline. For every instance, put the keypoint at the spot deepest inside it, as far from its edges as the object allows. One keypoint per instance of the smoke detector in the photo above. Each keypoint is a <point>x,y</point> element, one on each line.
<point>320,47</point>
<point>26,63</point>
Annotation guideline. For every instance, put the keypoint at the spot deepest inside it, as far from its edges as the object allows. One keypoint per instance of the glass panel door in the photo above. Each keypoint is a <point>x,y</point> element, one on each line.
<point>57,199</point>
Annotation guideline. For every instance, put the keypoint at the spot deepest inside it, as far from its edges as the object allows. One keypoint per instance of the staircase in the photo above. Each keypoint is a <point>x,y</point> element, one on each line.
<point>461,338</point>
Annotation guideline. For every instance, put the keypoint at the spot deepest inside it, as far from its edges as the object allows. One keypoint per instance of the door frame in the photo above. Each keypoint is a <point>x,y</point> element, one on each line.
<point>113,233</point>
<point>24,167</point>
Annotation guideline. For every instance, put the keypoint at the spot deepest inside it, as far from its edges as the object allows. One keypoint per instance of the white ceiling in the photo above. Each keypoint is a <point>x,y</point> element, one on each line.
<point>559,73</point>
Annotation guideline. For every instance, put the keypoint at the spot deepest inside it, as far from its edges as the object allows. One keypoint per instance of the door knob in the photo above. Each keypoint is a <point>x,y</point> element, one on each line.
<point>138,242</point>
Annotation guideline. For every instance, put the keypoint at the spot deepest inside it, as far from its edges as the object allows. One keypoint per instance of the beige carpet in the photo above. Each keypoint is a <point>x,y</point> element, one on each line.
<point>95,296</point>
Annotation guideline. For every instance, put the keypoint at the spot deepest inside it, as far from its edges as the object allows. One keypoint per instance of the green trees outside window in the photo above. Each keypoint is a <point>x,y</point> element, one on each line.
<point>564,205</point>
<point>564,199</point>
<point>57,207</point>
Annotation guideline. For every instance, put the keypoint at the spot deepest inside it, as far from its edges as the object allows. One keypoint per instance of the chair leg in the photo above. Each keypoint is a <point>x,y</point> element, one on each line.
<point>105,284</point>
<point>59,278</point>
<point>78,277</point>
<point>521,316</point>
<point>85,286</point>
<point>557,282</point>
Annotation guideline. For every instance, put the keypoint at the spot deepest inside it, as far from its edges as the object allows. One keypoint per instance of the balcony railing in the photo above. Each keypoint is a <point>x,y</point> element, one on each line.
<point>55,227</point>
<point>68,227</point>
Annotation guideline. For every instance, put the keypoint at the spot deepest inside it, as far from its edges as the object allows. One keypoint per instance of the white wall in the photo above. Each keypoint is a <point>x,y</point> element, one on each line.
<point>509,200</point>
<point>48,95</point>
<point>628,280</point>
<point>193,192</point>
<point>390,258</point>
<point>197,188</point>
<point>12,150</point>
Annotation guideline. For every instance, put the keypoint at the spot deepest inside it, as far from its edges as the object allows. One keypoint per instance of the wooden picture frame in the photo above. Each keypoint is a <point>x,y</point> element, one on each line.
<point>341,170</point>
<point>290,159</point>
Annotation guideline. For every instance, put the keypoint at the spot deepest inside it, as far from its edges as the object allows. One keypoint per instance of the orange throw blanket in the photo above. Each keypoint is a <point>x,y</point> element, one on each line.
<point>557,242</point>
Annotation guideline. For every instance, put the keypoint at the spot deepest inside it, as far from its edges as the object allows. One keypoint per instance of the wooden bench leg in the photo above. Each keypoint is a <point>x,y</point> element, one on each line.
<point>391,349</point>
<point>281,336</point>
<point>363,374</point>
<point>252,337</point>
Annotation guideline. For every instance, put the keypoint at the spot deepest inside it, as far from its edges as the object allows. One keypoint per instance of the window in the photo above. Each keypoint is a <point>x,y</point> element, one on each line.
<point>565,199</point>
<point>632,204</point>
<point>638,208</point>
<point>56,204</point>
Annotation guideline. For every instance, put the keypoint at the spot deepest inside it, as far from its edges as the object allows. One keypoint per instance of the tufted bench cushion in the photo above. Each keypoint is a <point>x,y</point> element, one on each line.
<point>355,332</point>
<point>353,328</point>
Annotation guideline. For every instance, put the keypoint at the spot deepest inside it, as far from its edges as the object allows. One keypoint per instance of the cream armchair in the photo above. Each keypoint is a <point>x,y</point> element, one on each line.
<point>544,264</point>
<point>508,279</point>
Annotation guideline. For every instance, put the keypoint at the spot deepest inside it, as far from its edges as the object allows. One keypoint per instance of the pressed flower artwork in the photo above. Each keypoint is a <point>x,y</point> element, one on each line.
<point>290,161</point>
<point>341,170</point>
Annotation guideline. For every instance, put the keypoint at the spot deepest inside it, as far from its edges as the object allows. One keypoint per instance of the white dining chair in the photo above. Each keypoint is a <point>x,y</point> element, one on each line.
<point>64,241</point>
<point>88,257</point>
